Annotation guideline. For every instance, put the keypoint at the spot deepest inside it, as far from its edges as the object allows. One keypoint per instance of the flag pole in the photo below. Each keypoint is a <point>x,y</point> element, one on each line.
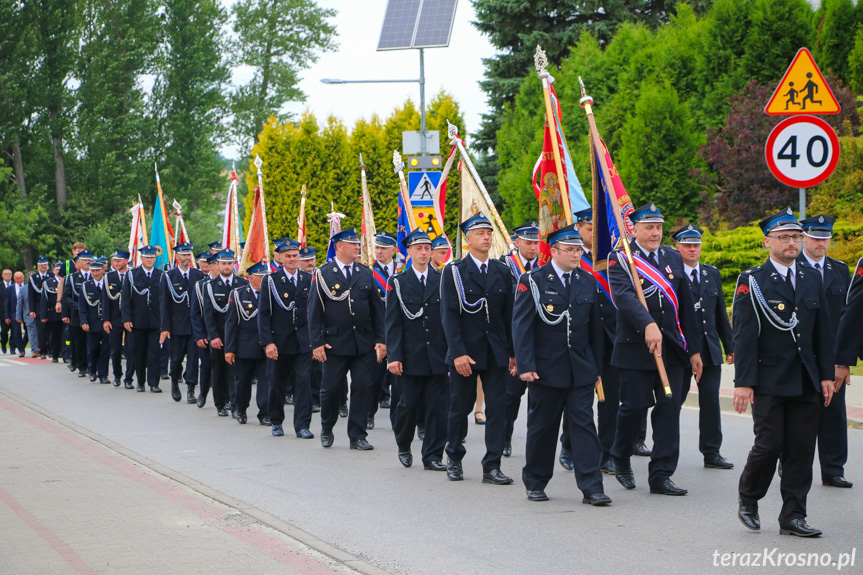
<point>398,168</point>
<point>258,163</point>
<point>368,227</point>
<point>587,103</point>
<point>541,62</point>
<point>301,219</point>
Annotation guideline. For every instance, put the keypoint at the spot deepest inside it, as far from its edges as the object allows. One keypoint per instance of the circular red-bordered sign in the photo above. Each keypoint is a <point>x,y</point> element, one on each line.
<point>802,151</point>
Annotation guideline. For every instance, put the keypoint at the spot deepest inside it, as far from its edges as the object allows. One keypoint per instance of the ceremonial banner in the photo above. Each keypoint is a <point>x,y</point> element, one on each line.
<point>335,220</point>
<point>473,201</point>
<point>257,246</point>
<point>301,220</point>
<point>231,222</point>
<point>138,234</point>
<point>367,232</point>
<point>161,234</point>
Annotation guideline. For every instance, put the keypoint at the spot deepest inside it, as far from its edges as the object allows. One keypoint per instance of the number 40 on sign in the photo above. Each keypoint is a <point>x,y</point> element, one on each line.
<point>802,151</point>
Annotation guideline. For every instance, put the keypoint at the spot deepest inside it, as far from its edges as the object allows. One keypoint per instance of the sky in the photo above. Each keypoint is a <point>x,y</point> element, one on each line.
<point>457,68</point>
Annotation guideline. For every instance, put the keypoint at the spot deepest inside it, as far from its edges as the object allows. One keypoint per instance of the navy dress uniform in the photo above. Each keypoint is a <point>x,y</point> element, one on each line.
<point>346,312</point>
<point>639,376</point>
<point>558,328</point>
<point>175,314</point>
<point>381,394</point>
<point>216,295</point>
<point>77,337</point>
<point>711,320</point>
<point>242,340</point>
<point>476,309</point>
<point>34,296</point>
<point>833,425</point>
<point>415,337</point>
<point>199,330</point>
<point>53,321</point>
<point>112,312</point>
<point>91,314</point>
<point>140,304</point>
<point>515,387</point>
<point>308,254</point>
<point>783,351</point>
<point>283,322</point>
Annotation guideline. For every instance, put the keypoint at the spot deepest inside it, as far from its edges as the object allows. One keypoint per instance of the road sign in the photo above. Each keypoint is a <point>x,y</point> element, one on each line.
<point>422,186</point>
<point>803,90</point>
<point>802,151</point>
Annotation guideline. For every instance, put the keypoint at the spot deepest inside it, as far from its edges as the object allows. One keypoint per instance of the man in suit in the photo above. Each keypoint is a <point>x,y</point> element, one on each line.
<point>71,292</point>
<point>283,330</point>
<point>346,326</point>
<point>208,265</point>
<point>6,328</point>
<point>34,293</point>
<point>476,307</point>
<point>308,264</point>
<point>113,319</point>
<point>26,318</point>
<point>383,268</point>
<point>416,352</point>
<point>19,292</point>
<point>557,324</point>
<point>836,277</point>
<point>666,325</point>
<point>711,320</point>
<point>783,367</point>
<point>139,306</point>
<point>91,311</point>
<point>523,260</point>
<point>849,339</point>
<point>49,318</point>
<point>176,324</point>
<point>216,295</point>
<point>242,344</point>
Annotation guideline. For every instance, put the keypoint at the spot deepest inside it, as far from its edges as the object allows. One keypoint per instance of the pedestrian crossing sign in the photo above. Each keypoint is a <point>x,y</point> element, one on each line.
<point>803,90</point>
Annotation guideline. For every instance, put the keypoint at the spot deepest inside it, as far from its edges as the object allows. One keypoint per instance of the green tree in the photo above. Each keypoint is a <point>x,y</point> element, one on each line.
<point>855,62</point>
<point>277,39</point>
<point>777,31</point>
<point>835,23</point>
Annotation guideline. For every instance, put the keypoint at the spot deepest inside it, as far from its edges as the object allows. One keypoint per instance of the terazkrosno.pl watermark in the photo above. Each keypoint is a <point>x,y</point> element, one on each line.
<point>775,558</point>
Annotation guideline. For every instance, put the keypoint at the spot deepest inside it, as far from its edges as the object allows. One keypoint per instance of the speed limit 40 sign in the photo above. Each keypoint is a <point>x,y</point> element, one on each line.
<point>802,151</point>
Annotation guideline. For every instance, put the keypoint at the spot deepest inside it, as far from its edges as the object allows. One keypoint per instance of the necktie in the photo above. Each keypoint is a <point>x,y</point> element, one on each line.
<point>348,272</point>
<point>386,271</point>
<point>694,277</point>
<point>820,270</point>
<point>566,281</point>
<point>186,276</point>
<point>148,275</point>
<point>294,281</point>
<point>527,266</point>
<point>228,282</point>
<point>482,269</point>
<point>423,280</point>
<point>789,281</point>
<point>652,259</point>
<point>696,287</point>
<point>256,293</point>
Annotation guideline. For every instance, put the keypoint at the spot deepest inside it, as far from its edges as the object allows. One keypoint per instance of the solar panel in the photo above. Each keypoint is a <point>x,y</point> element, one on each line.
<point>417,24</point>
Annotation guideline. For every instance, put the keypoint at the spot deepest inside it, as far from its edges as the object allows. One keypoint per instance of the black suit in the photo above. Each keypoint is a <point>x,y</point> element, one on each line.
<point>4,329</point>
<point>785,370</point>
<point>139,304</point>
<point>53,320</point>
<point>385,389</point>
<point>567,357</point>
<point>418,342</point>
<point>639,376</point>
<point>711,319</point>
<point>111,296</point>
<point>91,314</point>
<point>175,318</point>
<point>485,336</point>
<point>833,424</point>
<point>77,337</point>
<point>34,295</point>
<point>283,321</point>
<point>216,295</point>
<point>241,339</point>
<point>16,339</point>
<point>199,332</point>
<point>352,326</point>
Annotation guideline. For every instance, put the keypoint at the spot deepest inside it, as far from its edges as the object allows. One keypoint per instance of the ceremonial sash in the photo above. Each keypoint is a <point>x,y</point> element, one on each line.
<point>515,264</point>
<point>380,280</point>
<point>601,278</point>
<point>655,277</point>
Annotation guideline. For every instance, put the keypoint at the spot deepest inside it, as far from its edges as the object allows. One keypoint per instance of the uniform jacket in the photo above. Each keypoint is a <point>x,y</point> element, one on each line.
<point>241,324</point>
<point>217,294</point>
<point>352,326</point>
<point>490,329</point>
<point>419,343</point>
<point>48,300</point>
<point>849,338</point>
<point>71,290</point>
<point>283,317</point>
<point>34,292</point>
<point>711,317</point>
<point>770,362</point>
<point>837,277</point>
<point>176,302</point>
<point>196,308</point>
<point>630,351</point>
<point>112,293</point>
<point>90,305</point>
<point>561,359</point>
<point>141,298</point>
<point>607,311</point>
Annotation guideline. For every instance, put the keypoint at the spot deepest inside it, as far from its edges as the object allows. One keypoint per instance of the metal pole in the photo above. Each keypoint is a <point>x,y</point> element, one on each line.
<point>422,102</point>
<point>802,203</point>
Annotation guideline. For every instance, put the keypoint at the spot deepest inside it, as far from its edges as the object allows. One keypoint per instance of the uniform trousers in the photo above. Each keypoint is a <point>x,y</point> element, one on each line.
<point>335,371</point>
<point>315,375</point>
<point>545,408</point>
<point>245,370</point>
<point>41,335</point>
<point>636,396</point>
<point>116,339</point>
<point>606,411</point>
<point>77,347</point>
<point>221,380</point>
<point>98,352</point>
<point>146,352</point>
<point>54,335</point>
<point>184,346</point>
<point>382,382</point>
<point>164,357</point>
<point>709,421</point>
<point>833,437</point>
<point>786,428</point>
<point>462,401</point>
<point>432,389</point>
<point>294,367</point>
<point>204,372</point>
<point>515,389</point>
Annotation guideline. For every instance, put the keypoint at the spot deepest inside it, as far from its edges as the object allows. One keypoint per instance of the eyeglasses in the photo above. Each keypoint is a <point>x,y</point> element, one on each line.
<point>570,250</point>
<point>785,238</point>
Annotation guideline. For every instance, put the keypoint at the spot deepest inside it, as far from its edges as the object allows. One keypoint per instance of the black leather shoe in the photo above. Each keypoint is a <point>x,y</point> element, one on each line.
<point>305,434</point>
<point>434,465</point>
<point>565,460</point>
<point>289,399</point>
<point>241,417</point>
<point>104,380</point>
<point>92,377</point>
<point>385,404</point>
<point>837,481</point>
<point>597,500</point>
<point>454,471</point>
<point>140,388</point>
<point>234,413</point>
<point>421,433</point>
<point>327,439</point>
<point>156,389</point>
<point>748,515</point>
<point>798,528</point>
<point>536,495</point>
<point>54,360</point>
<point>343,411</point>
<point>190,393</point>
<point>278,431</point>
<point>202,401</point>
<point>117,382</point>
<point>495,477</point>
<point>625,477</point>
<point>316,408</point>
<point>362,445</point>
<point>718,462</point>
<point>223,412</point>
<point>69,366</point>
<point>608,467</point>
<point>667,487</point>
<point>165,376</point>
<point>638,448</point>
<point>82,374</point>
<point>779,469</point>
<point>175,391</point>
<point>370,423</point>
<point>264,420</point>
<point>129,385</point>
<point>405,458</point>
<point>507,449</point>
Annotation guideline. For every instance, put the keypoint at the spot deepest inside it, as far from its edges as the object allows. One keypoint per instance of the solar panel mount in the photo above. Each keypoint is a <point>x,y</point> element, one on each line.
<point>417,24</point>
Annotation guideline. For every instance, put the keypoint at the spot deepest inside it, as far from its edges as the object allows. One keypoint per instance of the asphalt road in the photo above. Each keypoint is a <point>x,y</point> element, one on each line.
<point>415,521</point>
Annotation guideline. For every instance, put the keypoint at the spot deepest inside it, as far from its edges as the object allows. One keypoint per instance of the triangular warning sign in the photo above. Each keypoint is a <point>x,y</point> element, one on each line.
<point>802,90</point>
